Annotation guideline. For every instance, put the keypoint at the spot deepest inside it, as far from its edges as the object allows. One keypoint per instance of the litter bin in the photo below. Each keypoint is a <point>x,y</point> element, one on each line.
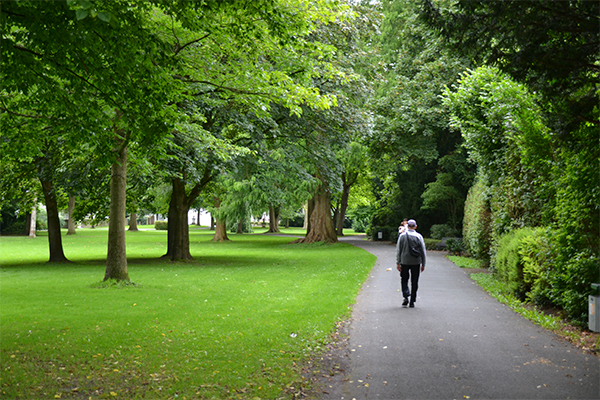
<point>594,312</point>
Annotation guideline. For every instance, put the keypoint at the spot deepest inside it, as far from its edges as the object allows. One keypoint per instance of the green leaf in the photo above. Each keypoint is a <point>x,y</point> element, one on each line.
<point>81,14</point>
<point>104,16</point>
<point>85,4</point>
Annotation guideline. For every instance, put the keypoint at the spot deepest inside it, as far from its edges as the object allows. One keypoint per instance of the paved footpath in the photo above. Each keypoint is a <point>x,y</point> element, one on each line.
<point>457,343</point>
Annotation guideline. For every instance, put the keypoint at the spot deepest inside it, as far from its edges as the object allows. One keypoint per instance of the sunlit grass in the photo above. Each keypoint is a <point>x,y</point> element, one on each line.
<point>466,262</point>
<point>237,322</point>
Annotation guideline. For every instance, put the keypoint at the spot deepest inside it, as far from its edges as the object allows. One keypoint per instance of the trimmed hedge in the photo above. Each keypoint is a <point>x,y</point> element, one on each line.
<point>518,264</point>
<point>477,225</point>
<point>161,225</point>
<point>388,233</point>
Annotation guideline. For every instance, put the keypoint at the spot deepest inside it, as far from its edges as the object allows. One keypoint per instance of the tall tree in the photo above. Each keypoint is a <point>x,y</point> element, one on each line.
<point>31,116</point>
<point>410,120</point>
<point>87,49</point>
<point>263,58</point>
<point>354,162</point>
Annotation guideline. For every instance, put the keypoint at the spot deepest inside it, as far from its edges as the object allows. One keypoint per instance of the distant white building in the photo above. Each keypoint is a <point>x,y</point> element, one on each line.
<point>199,215</point>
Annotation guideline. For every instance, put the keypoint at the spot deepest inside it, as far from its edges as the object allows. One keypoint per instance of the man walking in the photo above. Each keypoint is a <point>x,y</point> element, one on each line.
<point>411,256</point>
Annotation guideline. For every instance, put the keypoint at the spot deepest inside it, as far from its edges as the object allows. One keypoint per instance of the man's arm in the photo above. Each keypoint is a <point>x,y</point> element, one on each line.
<point>398,252</point>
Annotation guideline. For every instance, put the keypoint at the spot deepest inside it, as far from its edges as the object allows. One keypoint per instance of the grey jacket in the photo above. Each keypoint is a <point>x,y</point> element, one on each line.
<point>403,255</point>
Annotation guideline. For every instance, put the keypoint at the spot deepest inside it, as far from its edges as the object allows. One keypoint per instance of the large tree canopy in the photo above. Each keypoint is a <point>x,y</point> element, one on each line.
<point>551,45</point>
<point>123,69</point>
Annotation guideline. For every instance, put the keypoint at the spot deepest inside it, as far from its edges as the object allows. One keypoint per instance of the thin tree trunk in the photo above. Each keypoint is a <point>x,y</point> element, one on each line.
<point>70,222</point>
<point>240,226</point>
<point>273,219</point>
<point>212,223</point>
<point>32,220</point>
<point>342,209</point>
<point>306,216</point>
<point>54,234</point>
<point>116,260</point>
<point>321,222</point>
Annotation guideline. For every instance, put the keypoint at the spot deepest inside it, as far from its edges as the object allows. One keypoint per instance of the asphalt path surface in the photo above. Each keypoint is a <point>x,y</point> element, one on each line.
<point>457,343</point>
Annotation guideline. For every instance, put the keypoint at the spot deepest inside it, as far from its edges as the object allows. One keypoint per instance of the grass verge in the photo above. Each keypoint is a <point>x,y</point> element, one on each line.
<point>240,321</point>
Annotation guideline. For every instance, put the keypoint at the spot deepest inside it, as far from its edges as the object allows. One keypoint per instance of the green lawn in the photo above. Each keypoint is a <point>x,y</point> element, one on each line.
<point>240,321</point>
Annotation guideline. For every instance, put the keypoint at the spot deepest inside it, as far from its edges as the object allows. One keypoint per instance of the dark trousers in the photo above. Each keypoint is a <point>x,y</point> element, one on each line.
<point>412,271</point>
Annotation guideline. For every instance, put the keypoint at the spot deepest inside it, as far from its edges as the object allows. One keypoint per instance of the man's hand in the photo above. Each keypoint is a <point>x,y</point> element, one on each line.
<point>422,268</point>
<point>398,267</point>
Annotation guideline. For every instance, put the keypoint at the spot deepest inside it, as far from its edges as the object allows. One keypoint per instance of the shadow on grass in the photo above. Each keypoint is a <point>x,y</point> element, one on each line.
<point>200,261</point>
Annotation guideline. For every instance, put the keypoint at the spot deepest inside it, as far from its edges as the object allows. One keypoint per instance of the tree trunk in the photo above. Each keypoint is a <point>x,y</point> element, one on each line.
<point>54,234</point>
<point>178,243</point>
<point>321,222</point>
<point>32,220</point>
<point>307,211</point>
<point>70,221</point>
<point>310,206</point>
<point>27,224</point>
<point>273,220</point>
<point>116,260</point>
<point>342,209</point>
<point>212,223</point>
<point>220,231</point>
<point>133,222</point>
<point>240,226</point>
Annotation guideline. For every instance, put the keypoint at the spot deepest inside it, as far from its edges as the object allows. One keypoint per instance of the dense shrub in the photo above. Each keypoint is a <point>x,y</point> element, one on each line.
<point>394,236</point>
<point>361,218</point>
<point>508,262</point>
<point>387,233</point>
<point>442,231</point>
<point>535,253</point>
<point>455,246</point>
<point>477,223</point>
<point>297,221</point>
<point>431,244</point>
<point>161,225</point>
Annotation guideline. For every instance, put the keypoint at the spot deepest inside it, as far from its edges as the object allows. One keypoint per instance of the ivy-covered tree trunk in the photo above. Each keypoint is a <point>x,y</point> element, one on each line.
<point>54,234</point>
<point>116,260</point>
<point>71,222</point>
<point>321,221</point>
<point>273,219</point>
<point>178,243</point>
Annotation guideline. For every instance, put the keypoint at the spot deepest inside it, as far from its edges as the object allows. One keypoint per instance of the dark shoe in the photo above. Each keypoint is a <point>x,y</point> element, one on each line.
<point>411,305</point>
<point>405,302</point>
